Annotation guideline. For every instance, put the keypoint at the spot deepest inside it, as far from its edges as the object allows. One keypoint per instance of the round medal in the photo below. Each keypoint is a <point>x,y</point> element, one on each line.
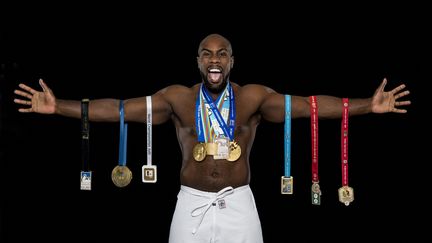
<point>199,152</point>
<point>234,152</point>
<point>121,175</point>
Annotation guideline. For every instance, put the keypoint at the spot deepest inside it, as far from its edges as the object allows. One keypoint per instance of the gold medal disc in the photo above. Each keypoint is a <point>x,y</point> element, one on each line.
<point>234,152</point>
<point>346,195</point>
<point>121,175</point>
<point>199,152</point>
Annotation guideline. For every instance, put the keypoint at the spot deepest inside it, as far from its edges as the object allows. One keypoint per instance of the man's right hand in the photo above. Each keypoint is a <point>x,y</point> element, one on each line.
<point>39,101</point>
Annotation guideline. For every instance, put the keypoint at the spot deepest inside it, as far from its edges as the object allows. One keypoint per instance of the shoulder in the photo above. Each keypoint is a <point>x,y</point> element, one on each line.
<point>256,90</point>
<point>176,88</point>
<point>178,94</point>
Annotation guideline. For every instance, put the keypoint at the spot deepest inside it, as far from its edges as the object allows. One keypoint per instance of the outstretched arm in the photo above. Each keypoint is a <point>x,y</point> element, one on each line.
<point>45,102</point>
<point>329,107</point>
<point>381,102</point>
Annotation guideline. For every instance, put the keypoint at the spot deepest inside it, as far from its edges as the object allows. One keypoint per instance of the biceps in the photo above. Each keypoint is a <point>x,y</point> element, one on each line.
<point>136,109</point>
<point>161,109</point>
<point>300,107</point>
<point>273,108</point>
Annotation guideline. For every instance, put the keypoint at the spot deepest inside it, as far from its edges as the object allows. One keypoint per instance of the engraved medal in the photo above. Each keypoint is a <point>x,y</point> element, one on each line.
<point>199,152</point>
<point>121,175</point>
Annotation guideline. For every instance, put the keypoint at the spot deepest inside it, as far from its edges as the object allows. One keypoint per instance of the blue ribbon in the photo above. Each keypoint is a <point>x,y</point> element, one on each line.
<point>123,137</point>
<point>287,135</point>
<point>199,127</point>
<point>228,130</point>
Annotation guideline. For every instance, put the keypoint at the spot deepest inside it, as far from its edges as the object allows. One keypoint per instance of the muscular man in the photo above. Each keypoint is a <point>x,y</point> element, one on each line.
<point>215,203</point>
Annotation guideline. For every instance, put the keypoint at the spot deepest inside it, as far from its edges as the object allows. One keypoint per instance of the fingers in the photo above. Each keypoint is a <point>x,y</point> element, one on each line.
<point>397,96</point>
<point>22,93</point>
<point>25,110</point>
<point>400,103</point>
<point>27,88</point>
<point>382,85</point>
<point>396,110</point>
<point>43,85</point>
<point>398,88</point>
<point>22,102</point>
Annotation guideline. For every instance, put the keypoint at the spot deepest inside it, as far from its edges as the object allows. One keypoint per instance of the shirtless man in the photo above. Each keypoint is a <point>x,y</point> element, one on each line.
<point>215,202</point>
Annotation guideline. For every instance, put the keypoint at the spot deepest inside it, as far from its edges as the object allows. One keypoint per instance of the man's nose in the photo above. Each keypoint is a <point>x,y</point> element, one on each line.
<point>214,59</point>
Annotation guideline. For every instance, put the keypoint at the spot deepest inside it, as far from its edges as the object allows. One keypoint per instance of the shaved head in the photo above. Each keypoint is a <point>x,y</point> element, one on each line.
<point>215,37</point>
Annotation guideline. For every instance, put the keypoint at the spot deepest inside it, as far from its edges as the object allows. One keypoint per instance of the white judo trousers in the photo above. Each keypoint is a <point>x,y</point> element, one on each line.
<point>227,216</point>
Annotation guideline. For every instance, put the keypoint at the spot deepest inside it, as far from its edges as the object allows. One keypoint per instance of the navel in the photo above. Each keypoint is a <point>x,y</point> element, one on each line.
<point>215,174</point>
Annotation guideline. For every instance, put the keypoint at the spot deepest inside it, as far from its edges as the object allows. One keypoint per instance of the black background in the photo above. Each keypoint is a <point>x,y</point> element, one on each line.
<point>123,52</point>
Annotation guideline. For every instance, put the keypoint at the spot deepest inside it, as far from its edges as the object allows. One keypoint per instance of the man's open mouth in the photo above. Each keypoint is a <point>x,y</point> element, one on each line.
<point>214,75</point>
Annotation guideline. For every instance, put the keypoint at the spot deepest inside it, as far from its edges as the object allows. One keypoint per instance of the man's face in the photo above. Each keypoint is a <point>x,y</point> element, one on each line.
<point>215,61</point>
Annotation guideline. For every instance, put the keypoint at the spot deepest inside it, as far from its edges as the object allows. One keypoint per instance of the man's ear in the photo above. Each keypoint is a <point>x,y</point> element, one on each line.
<point>232,61</point>
<point>198,63</point>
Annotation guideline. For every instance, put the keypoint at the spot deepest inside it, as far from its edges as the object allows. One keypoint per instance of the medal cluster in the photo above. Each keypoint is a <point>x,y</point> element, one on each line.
<point>201,150</point>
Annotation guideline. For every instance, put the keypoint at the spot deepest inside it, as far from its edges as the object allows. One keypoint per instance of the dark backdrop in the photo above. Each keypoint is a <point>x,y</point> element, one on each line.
<point>99,52</point>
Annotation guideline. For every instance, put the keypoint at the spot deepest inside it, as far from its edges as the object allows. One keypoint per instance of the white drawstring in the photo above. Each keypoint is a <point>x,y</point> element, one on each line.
<point>202,210</point>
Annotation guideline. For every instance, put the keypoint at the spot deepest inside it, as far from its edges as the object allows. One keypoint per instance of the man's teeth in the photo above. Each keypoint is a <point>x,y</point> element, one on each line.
<point>214,70</point>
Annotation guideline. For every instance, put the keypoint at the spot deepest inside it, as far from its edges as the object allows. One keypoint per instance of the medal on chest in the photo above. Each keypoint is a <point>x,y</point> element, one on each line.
<point>215,123</point>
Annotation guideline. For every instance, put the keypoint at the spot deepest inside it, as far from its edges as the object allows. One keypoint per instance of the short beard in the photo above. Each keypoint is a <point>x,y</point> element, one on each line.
<point>215,89</point>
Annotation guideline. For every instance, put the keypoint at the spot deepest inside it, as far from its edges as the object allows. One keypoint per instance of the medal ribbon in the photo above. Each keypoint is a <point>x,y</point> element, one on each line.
<point>344,141</point>
<point>85,129</point>
<point>212,126</point>
<point>201,115</point>
<point>149,130</point>
<point>204,117</point>
<point>287,135</point>
<point>123,136</point>
<point>314,133</point>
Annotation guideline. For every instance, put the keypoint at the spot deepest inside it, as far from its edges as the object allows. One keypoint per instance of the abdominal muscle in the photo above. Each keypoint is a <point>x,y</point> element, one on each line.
<point>213,175</point>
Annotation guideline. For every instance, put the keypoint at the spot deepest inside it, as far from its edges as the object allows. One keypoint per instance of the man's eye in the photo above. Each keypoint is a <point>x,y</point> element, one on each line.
<point>223,54</point>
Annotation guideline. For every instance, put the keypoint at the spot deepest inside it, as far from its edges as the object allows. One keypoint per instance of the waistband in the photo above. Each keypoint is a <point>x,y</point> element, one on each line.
<point>207,194</point>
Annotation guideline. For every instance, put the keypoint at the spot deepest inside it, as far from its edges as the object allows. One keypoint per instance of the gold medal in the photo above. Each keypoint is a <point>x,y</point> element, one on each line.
<point>121,175</point>
<point>346,195</point>
<point>287,185</point>
<point>199,152</point>
<point>234,151</point>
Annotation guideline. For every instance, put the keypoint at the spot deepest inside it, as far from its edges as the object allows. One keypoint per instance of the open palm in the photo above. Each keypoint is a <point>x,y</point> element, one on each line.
<point>383,102</point>
<point>39,101</point>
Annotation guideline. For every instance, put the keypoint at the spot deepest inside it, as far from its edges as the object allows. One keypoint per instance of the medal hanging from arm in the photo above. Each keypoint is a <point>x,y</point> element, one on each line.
<point>346,193</point>
<point>316,191</point>
<point>121,174</point>
<point>287,179</point>
<point>86,174</point>
<point>149,172</point>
